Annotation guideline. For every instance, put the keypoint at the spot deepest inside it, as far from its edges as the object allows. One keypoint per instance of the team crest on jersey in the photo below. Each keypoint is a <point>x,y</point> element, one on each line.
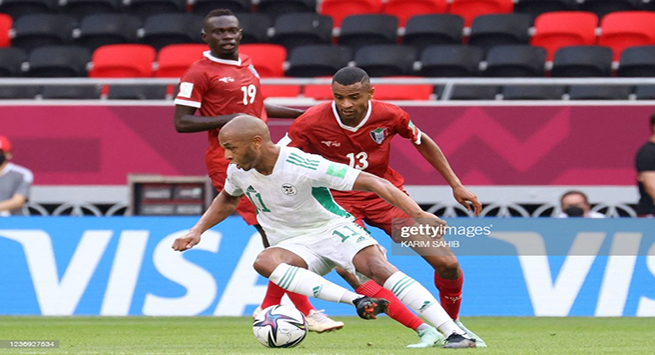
<point>289,189</point>
<point>253,70</point>
<point>379,134</point>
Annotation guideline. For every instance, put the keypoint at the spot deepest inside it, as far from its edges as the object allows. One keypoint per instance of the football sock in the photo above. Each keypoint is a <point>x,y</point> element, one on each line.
<point>396,309</point>
<point>305,282</point>
<point>273,295</point>
<point>450,293</point>
<point>419,299</point>
<point>301,302</point>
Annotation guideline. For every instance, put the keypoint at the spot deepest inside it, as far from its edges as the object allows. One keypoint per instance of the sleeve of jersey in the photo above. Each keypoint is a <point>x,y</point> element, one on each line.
<point>406,128</point>
<point>295,137</point>
<point>335,176</point>
<point>191,89</point>
<point>231,185</point>
<point>25,185</point>
<point>646,161</point>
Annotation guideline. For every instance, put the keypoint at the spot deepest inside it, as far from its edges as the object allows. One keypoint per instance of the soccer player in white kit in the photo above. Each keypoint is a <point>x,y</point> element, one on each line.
<point>309,233</point>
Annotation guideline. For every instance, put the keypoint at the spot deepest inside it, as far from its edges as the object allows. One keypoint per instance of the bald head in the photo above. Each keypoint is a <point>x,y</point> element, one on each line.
<point>245,128</point>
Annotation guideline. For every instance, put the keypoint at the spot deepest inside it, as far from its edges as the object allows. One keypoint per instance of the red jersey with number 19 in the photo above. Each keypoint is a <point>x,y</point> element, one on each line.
<point>221,87</point>
<point>366,147</point>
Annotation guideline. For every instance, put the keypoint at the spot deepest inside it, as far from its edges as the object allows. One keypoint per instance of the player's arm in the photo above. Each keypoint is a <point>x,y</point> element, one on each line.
<point>276,111</point>
<point>433,154</point>
<point>223,205</point>
<point>648,179</point>
<point>187,122</point>
<point>16,201</point>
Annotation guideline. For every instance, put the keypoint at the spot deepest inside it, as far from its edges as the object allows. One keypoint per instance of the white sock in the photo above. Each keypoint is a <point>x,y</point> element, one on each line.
<point>305,282</point>
<point>419,299</point>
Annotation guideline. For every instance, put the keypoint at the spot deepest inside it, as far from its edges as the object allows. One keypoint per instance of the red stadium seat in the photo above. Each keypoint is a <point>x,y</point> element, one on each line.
<point>555,30</point>
<point>280,90</point>
<point>470,9</point>
<point>268,59</point>
<point>122,61</point>
<point>5,25</point>
<point>404,9</point>
<point>402,92</point>
<point>319,92</point>
<point>620,30</point>
<point>339,9</point>
<point>175,59</point>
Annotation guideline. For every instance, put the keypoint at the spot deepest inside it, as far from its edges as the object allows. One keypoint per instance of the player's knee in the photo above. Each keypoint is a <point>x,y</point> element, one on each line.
<point>448,268</point>
<point>381,270</point>
<point>265,264</point>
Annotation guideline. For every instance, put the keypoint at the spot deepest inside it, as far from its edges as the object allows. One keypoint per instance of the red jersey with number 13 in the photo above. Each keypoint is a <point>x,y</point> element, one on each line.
<point>366,147</point>
<point>221,87</point>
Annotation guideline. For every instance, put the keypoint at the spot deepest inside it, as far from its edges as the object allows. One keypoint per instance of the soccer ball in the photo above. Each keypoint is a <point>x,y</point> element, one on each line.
<point>280,327</point>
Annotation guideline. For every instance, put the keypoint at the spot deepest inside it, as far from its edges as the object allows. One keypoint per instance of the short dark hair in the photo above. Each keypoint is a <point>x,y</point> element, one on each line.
<point>351,75</point>
<point>574,192</point>
<point>219,13</point>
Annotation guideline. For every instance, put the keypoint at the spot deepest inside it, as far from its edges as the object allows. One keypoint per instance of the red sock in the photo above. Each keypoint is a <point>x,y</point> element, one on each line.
<point>273,295</point>
<point>301,302</point>
<point>397,309</point>
<point>450,294</point>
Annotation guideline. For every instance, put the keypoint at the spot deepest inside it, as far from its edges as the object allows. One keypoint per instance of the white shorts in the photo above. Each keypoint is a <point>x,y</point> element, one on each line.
<point>336,247</point>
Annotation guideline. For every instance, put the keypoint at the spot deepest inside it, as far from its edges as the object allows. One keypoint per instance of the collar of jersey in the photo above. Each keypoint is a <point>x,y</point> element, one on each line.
<point>209,56</point>
<point>352,129</point>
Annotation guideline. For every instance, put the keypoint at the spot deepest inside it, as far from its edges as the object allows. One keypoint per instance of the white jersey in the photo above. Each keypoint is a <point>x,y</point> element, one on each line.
<point>295,199</point>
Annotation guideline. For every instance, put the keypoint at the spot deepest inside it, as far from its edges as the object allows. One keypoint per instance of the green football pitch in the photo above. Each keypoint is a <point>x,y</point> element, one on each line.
<point>227,335</point>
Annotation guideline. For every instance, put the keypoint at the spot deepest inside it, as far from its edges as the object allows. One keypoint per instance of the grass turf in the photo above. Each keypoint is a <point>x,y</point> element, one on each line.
<point>227,335</point>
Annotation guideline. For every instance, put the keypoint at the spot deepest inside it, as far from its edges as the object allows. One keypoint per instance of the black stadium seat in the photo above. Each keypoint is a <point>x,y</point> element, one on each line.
<point>516,61</point>
<point>538,7</point>
<point>497,29</point>
<point>533,92</point>
<point>255,27</point>
<point>582,61</point>
<point>604,7</point>
<point>361,30</point>
<point>146,8</point>
<point>637,61</point>
<point>451,61</point>
<point>474,92</point>
<point>38,30</point>
<point>19,8</point>
<point>165,29</point>
<point>426,30</point>
<point>276,8</point>
<point>137,92</point>
<point>103,29</point>
<point>645,92</point>
<point>11,60</point>
<point>294,30</point>
<point>59,61</point>
<point>599,92</point>
<point>386,60</point>
<point>318,60</point>
<point>203,7</point>
<point>18,92</point>
<point>70,92</point>
<point>81,8</point>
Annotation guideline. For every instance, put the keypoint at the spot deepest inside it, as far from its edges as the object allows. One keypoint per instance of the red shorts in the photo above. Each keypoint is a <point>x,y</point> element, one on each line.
<point>375,212</point>
<point>245,208</point>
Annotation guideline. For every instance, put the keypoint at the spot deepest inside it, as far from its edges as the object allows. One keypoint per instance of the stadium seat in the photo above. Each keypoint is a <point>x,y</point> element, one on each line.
<point>645,92</point>
<point>620,30</point>
<point>533,92</point>
<point>123,61</point>
<point>146,8</point>
<point>474,92</point>
<point>637,62</point>
<point>604,7</point>
<point>15,92</point>
<point>81,8</point>
<point>497,29</point>
<point>166,29</point>
<point>137,92</point>
<point>339,9</point>
<point>19,8</point>
<point>470,9</point>
<point>599,92</point>
<point>451,61</point>
<point>276,8</point>
<point>361,30</point>
<point>268,59</point>
<point>70,92</point>
<point>294,30</point>
<point>203,7</point>
<point>555,30</point>
<point>403,91</point>
<point>280,91</point>
<point>5,25</point>
<point>175,59</point>
<point>103,29</point>
<point>11,60</point>
<point>426,30</point>
<point>255,27</point>
<point>582,61</point>
<point>318,60</point>
<point>43,30</point>
<point>538,7</point>
<point>386,60</point>
<point>406,9</point>
<point>58,61</point>
<point>319,92</point>
<point>516,61</point>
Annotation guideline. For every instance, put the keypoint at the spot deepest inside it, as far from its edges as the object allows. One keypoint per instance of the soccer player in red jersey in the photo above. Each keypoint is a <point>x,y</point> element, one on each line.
<point>223,85</point>
<point>354,129</point>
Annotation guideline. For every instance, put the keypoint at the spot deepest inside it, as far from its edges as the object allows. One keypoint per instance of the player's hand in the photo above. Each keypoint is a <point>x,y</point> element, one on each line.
<point>186,241</point>
<point>432,220</point>
<point>464,197</point>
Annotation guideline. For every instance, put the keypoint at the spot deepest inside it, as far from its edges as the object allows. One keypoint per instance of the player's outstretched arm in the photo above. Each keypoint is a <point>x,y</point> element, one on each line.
<point>223,205</point>
<point>275,111</point>
<point>433,154</point>
<point>187,122</point>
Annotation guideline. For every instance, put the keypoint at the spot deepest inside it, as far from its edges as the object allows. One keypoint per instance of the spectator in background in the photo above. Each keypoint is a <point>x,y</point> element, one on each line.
<point>15,182</point>
<point>645,164</point>
<point>576,204</point>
